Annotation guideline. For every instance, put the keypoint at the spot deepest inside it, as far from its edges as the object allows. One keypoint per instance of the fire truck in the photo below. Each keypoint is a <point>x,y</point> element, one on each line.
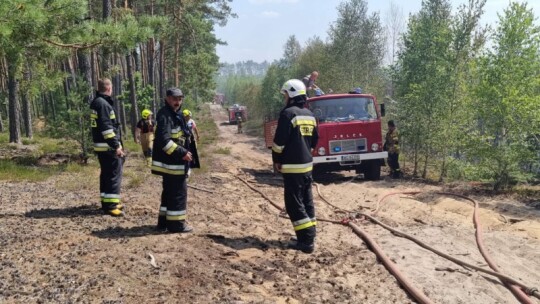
<point>237,111</point>
<point>350,134</point>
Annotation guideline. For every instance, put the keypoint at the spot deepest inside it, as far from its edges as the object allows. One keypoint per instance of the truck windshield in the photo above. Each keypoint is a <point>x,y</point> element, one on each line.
<point>343,109</point>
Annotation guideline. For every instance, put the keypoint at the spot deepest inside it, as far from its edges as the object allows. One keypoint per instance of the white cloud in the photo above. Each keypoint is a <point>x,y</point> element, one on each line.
<point>272,1</point>
<point>270,14</point>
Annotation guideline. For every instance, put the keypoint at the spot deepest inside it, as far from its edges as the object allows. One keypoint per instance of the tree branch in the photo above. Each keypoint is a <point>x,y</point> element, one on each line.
<point>74,45</point>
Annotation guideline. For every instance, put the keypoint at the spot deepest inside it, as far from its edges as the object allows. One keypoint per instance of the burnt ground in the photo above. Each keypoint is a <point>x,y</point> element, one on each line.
<point>56,246</point>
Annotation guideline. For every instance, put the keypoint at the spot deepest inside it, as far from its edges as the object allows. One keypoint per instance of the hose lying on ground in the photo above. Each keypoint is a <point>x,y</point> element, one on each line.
<point>391,266</point>
<point>519,292</point>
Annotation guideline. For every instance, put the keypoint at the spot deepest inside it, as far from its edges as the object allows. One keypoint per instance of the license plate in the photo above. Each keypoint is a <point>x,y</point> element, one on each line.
<point>352,157</point>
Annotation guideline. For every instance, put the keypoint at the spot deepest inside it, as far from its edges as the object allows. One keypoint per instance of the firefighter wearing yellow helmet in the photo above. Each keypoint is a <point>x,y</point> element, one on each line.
<point>296,135</point>
<point>194,138</point>
<point>144,134</point>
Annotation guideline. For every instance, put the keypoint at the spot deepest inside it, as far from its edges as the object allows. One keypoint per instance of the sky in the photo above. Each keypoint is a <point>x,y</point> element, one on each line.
<point>263,26</point>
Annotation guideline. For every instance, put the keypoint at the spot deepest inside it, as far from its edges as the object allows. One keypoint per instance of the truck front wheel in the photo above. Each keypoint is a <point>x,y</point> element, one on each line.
<point>372,171</point>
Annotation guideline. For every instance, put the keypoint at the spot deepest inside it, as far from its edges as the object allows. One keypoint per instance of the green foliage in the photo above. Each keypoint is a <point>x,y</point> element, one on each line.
<point>431,78</point>
<point>508,100</point>
<point>356,48</point>
<point>145,94</point>
<point>74,123</point>
<point>14,172</point>
<point>223,150</point>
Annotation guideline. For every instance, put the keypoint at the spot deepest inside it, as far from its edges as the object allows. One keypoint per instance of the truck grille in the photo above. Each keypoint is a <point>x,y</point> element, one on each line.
<point>349,145</point>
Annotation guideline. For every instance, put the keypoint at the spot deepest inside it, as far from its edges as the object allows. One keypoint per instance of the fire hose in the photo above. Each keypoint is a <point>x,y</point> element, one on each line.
<point>416,293</point>
<point>519,290</point>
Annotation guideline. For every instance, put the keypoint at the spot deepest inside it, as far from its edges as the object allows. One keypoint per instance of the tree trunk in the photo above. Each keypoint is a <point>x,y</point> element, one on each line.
<point>105,64</point>
<point>132,96</point>
<point>1,123</point>
<point>176,61</point>
<point>161,70</point>
<point>53,105</point>
<point>151,80</point>
<point>95,70</point>
<point>27,115</point>
<point>85,68</point>
<point>14,107</point>
<point>137,59</point>
<point>416,160</point>
<point>443,169</point>
<point>426,158</point>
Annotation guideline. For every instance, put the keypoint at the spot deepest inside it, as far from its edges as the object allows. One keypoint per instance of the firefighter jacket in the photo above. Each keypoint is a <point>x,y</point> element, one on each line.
<point>296,135</point>
<point>392,141</point>
<point>171,143</point>
<point>105,125</point>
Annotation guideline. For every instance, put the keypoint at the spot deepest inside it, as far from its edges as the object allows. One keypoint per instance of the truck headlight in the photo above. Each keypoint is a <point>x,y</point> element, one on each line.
<point>321,151</point>
<point>374,147</point>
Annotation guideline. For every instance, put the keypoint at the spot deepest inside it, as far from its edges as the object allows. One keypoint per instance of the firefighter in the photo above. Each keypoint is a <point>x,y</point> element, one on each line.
<point>296,136</point>
<point>194,131</point>
<point>239,121</point>
<point>192,126</point>
<point>392,146</point>
<point>170,159</point>
<point>108,147</point>
<point>309,82</point>
<point>144,134</point>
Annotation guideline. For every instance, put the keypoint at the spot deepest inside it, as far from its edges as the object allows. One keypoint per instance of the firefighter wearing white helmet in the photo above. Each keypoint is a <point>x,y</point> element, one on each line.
<point>144,134</point>
<point>296,136</point>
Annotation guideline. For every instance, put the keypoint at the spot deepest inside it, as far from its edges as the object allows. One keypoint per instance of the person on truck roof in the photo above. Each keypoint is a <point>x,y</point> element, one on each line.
<point>309,82</point>
<point>296,136</point>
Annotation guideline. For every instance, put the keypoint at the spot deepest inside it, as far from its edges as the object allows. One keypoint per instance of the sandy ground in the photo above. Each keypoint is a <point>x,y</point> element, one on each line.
<point>55,246</point>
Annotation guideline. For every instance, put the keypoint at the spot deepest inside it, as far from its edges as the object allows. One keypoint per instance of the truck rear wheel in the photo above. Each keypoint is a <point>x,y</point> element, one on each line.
<point>372,171</point>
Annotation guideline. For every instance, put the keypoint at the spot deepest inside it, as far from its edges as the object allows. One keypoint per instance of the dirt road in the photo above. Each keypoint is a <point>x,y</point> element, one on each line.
<point>55,246</point>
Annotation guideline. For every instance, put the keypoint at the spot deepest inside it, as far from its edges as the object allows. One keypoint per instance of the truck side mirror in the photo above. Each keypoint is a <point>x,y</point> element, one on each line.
<point>383,110</point>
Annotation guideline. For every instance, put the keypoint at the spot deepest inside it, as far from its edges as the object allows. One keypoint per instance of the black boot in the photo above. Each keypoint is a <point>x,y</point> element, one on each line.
<point>161,223</point>
<point>305,248</point>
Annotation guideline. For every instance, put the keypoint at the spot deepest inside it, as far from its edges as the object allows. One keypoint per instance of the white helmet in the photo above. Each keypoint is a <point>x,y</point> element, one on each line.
<point>293,88</point>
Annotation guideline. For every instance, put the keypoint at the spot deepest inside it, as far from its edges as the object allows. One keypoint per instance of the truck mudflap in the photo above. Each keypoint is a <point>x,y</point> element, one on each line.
<point>348,159</point>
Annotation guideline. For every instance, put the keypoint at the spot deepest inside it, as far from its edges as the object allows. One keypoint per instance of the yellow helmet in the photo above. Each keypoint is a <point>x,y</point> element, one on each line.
<point>186,112</point>
<point>145,113</point>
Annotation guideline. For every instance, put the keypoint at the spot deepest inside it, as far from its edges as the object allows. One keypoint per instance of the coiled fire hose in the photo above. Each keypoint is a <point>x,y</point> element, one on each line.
<point>519,290</point>
<point>416,293</point>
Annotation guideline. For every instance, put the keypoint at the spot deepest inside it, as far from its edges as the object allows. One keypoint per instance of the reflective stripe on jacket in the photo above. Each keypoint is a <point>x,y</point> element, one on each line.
<point>296,135</point>
<point>170,143</point>
<point>105,126</point>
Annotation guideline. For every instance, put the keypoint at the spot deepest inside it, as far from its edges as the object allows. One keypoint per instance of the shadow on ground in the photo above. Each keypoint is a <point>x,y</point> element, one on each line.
<point>241,243</point>
<point>86,210</point>
<point>121,232</point>
<point>264,176</point>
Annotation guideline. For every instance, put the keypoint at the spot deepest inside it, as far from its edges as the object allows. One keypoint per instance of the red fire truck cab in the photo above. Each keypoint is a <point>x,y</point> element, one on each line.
<point>236,112</point>
<point>350,134</point>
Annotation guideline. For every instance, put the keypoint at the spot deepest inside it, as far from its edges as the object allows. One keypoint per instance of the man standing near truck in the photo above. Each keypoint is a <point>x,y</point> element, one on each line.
<point>392,146</point>
<point>296,136</point>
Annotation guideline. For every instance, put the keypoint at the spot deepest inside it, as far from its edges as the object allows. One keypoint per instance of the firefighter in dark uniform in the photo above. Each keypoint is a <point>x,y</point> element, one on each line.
<point>296,136</point>
<point>108,147</point>
<point>170,159</point>
<point>392,146</point>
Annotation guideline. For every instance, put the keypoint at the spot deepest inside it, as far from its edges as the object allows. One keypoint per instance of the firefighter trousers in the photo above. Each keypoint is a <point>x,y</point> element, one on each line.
<point>110,179</point>
<point>299,205</point>
<point>393,163</point>
<point>172,212</point>
<point>147,142</point>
